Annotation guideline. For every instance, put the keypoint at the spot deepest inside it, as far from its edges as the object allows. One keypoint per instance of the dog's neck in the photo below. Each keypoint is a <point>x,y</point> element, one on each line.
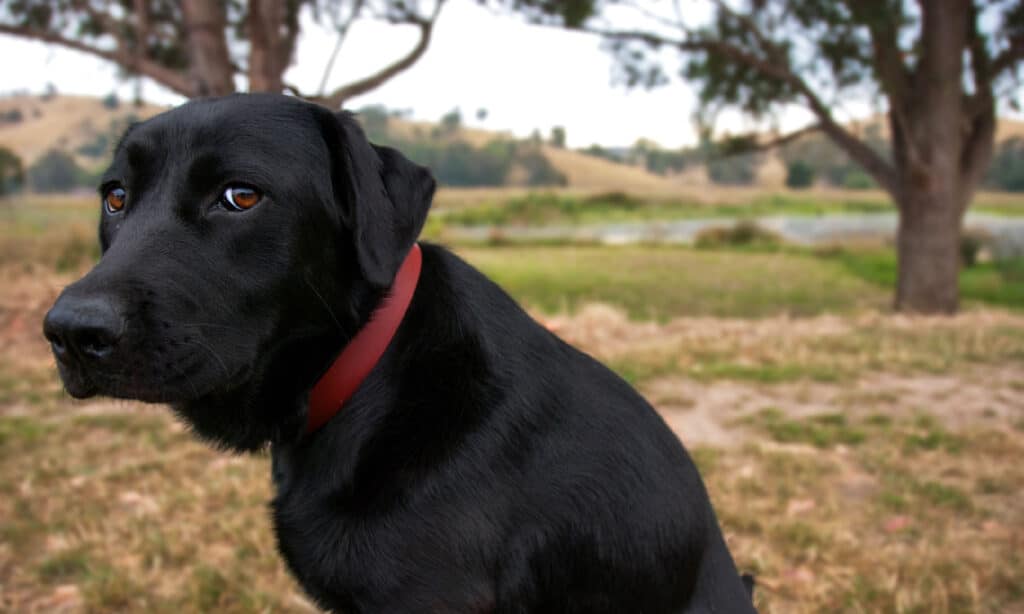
<point>363,352</point>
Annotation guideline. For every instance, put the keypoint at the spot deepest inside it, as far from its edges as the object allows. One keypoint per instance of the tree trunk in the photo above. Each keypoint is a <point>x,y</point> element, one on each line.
<point>928,252</point>
<point>266,70</point>
<point>210,63</point>
<point>928,144</point>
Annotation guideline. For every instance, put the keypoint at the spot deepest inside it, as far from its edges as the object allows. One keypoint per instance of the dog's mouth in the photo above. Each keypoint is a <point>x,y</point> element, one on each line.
<point>150,377</point>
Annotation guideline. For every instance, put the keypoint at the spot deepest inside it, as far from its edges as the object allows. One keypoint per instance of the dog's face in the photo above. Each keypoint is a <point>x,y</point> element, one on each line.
<point>244,241</point>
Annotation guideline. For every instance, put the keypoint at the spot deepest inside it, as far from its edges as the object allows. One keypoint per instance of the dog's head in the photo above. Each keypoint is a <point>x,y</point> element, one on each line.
<point>245,239</point>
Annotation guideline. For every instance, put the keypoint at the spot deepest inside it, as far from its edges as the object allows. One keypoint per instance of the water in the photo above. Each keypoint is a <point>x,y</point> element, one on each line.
<point>1007,232</point>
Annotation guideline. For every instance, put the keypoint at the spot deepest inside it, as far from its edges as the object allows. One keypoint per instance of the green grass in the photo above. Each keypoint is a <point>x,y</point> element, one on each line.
<point>822,431</point>
<point>551,208</point>
<point>995,283</point>
<point>662,282</point>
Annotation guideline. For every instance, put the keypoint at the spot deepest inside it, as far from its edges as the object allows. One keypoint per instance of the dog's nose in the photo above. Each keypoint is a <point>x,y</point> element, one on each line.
<point>87,328</point>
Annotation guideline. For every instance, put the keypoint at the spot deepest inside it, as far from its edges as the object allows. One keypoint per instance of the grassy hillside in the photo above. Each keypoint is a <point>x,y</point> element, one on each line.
<point>67,123</point>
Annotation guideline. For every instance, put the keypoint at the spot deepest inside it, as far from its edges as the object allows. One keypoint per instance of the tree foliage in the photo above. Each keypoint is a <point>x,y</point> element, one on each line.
<point>55,171</point>
<point>457,163</point>
<point>1007,170</point>
<point>12,174</point>
<point>200,47</point>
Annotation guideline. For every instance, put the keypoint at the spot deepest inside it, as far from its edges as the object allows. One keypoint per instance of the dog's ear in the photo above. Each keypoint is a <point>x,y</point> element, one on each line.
<point>384,197</point>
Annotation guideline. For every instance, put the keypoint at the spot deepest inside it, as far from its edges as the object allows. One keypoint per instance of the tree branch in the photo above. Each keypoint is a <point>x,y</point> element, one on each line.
<point>748,144</point>
<point>336,98</point>
<point>1009,57</point>
<point>342,29</point>
<point>171,79</point>
<point>882,171</point>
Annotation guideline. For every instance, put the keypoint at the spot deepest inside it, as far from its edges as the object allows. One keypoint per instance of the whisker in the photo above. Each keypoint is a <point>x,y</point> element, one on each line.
<point>324,303</point>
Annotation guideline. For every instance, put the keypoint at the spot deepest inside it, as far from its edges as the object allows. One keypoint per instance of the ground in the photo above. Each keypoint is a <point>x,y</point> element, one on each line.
<point>858,460</point>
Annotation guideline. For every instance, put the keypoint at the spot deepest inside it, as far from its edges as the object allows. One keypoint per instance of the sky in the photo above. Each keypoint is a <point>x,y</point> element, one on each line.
<point>526,77</point>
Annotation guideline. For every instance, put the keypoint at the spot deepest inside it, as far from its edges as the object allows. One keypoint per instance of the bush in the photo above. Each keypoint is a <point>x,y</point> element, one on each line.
<point>56,171</point>
<point>745,233</point>
<point>799,174</point>
<point>111,101</point>
<point>11,173</point>
<point>1006,172</point>
<point>11,116</point>
<point>972,242</point>
<point>857,179</point>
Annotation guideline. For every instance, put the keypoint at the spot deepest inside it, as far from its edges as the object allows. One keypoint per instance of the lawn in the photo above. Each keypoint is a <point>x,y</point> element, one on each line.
<point>662,282</point>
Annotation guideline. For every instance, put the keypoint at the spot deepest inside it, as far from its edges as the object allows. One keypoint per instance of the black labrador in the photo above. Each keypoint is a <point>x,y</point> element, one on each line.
<point>482,465</point>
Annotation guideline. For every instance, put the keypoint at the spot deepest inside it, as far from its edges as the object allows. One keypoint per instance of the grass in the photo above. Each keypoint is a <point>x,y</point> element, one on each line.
<point>662,282</point>
<point>996,283</point>
<point>541,208</point>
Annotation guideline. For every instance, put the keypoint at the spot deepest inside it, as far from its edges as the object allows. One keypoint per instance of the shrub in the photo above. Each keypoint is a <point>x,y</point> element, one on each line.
<point>111,101</point>
<point>972,242</point>
<point>799,174</point>
<point>56,171</point>
<point>744,233</point>
<point>11,172</point>
<point>11,116</point>
<point>857,179</point>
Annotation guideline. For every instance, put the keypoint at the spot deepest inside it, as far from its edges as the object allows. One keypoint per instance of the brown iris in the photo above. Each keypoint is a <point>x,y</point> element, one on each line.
<point>241,198</point>
<point>114,199</point>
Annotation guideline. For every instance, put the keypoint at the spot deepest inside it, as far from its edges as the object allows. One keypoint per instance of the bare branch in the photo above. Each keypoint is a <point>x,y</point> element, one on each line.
<point>131,61</point>
<point>873,163</point>
<point>751,145</point>
<point>426,25</point>
<point>342,29</point>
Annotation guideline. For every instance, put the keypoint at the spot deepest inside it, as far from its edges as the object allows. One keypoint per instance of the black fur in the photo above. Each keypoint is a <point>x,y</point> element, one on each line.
<point>484,465</point>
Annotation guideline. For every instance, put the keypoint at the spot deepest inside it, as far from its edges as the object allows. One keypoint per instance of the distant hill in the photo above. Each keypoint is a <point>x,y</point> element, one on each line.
<point>82,126</point>
<point>87,128</point>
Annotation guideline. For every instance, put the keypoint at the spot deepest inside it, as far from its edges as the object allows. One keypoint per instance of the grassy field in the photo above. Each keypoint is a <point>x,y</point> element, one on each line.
<point>582,208</point>
<point>858,460</point>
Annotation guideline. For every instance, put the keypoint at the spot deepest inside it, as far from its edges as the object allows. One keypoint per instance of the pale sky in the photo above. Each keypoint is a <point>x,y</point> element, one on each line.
<point>526,77</point>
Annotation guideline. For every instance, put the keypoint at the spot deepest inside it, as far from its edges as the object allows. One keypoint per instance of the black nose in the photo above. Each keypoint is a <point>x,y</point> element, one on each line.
<point>87,328</point>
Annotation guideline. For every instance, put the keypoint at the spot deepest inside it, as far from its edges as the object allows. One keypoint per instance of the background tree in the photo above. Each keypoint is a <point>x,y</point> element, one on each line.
<point>11,171</point>
<point>558,137</point>
<point>939,67</point>
<point>200,47</point>
<point>55,171</point>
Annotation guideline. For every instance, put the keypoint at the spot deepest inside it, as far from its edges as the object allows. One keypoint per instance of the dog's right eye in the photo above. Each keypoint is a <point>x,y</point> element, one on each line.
<point>240,197</point>
<point>114,199</point>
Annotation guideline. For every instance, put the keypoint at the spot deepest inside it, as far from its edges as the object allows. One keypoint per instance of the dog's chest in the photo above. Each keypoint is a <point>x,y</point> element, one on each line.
<point>369,560</point>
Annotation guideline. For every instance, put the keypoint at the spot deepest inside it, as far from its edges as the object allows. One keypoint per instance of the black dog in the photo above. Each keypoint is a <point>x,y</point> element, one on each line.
<point>483,465</point>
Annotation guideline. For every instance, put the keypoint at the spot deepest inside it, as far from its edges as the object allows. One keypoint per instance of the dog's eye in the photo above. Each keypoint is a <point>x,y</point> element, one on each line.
<point>240,198</point>
<point>114,199</point>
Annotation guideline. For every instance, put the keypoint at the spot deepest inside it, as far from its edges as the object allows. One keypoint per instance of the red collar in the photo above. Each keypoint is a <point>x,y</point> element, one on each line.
<point>362,353</point>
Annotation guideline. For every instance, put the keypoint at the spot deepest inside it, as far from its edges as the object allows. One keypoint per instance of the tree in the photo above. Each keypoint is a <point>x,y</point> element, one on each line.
<point>558,137</point>
<point>1007,170</point>
<point>56,171</point>
<point>799,174</point>
<point>939,67</point>
<point>199,47</point>
<point>11,173</point>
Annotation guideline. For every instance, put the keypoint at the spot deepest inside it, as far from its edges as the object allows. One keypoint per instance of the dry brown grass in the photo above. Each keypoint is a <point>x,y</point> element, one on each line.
<point>862,463</point>
<point>64,122</point>
<point>863,495</point>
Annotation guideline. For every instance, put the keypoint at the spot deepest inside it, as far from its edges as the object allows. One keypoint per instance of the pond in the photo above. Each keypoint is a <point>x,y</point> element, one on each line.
<point>1007,232</point>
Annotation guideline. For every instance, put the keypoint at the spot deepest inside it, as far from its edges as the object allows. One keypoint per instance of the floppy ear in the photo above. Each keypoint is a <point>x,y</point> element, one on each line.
<point>384,198</point>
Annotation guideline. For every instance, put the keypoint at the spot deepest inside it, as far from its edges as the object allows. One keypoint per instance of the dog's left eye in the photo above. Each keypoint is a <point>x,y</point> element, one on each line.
<point>240,197</point>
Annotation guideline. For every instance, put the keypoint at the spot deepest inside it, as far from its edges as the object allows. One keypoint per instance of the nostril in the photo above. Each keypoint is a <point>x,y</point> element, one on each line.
<point>83,327</point>
<point>97,343</point>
